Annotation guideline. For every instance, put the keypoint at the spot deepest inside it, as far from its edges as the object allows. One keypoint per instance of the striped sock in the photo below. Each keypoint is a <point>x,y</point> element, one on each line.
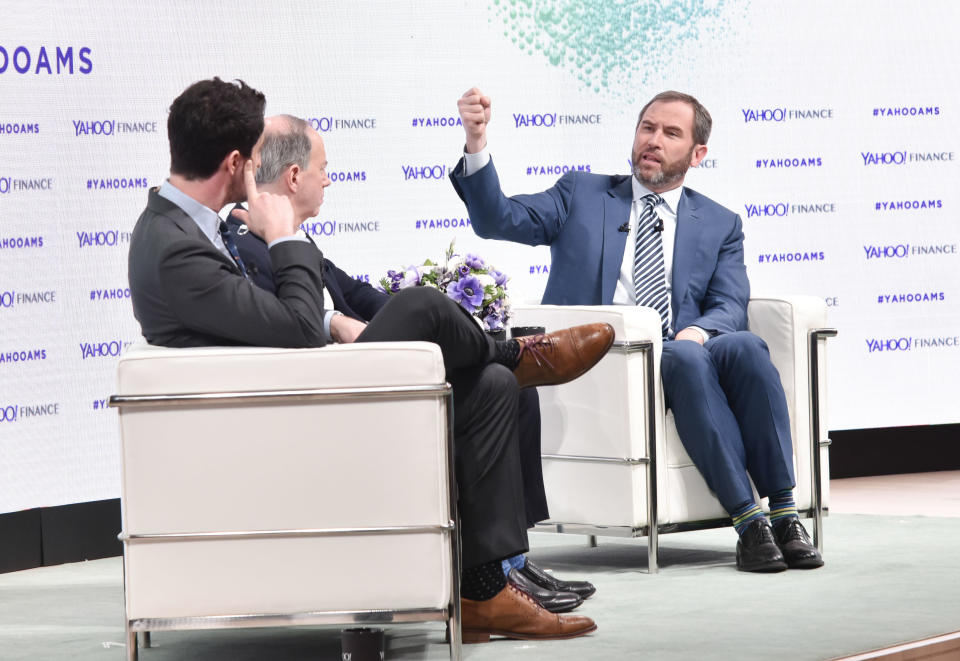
<point>745,515</point>
<point>782,506</point>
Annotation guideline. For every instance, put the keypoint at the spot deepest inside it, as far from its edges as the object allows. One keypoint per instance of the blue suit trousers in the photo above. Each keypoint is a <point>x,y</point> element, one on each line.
<point>731,414</point>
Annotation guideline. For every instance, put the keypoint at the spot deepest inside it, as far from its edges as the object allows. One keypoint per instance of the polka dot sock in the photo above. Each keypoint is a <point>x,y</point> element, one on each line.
<point>483,581</point>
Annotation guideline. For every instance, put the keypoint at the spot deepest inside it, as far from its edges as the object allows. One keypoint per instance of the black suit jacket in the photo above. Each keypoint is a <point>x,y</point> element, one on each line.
<point>187,293</point>
<point>351,297</point>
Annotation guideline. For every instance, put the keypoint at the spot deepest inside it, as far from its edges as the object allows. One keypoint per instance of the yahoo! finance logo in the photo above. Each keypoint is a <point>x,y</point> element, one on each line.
<point>551,119</point>
<point>783,114</point>
<point>111,127</point>
<point>102,238</point>
<point>12,299</point>
<point>331,123</point>
<point>902,157</point>
<point>784,209</point>
<point>419,172</point>
<point>13,185</point>
<point>906,250</point>
<point>901,344</point>
<point>102,349</point>
<point>19,412</point>
<point>52,60</point>
<point>332,228</point>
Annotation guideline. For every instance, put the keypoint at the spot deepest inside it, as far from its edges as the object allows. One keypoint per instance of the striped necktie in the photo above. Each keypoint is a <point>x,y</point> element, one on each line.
<point>649,274</point>
<point>231,245</point>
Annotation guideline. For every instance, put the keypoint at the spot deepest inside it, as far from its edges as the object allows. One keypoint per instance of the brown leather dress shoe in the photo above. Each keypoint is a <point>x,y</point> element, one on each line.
<point>514,614</point>
<point>554,358</point>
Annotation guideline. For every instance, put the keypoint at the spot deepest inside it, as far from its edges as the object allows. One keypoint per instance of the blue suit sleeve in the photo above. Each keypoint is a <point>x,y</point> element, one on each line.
<point>724,305</point>
<point>531,219</point>
<point>362,298</point>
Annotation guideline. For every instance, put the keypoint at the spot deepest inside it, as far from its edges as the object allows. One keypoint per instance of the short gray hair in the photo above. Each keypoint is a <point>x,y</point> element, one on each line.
<point>702,122</point>
<point>283,147</point>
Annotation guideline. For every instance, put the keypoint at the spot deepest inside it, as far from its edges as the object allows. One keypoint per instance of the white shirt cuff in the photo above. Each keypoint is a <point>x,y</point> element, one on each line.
<point>475,162</point>
<point>704,334</point>
<point>294,237</point>
<point>327,316</point>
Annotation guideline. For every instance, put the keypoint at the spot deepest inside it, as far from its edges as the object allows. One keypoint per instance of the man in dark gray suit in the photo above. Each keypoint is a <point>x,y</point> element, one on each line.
<point>189,288</point>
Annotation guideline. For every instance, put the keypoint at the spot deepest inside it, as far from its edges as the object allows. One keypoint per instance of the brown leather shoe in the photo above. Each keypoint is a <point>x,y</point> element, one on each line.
<point>514,614</point>
<point>554,358</point>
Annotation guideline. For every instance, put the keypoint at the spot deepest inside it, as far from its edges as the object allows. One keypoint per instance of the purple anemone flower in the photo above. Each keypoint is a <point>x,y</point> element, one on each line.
<point>411,277</point>
<point>467,292</point>
<point>492,322</point>
<point>474,261</point>
<point>464,270</point>
<point>498,277</point>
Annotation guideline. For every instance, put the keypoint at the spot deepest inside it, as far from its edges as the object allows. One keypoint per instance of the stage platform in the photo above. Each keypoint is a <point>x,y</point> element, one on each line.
<point>892,575</point>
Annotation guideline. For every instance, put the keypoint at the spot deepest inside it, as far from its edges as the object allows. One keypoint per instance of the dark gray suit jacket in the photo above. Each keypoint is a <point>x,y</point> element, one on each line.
<point>187,293</point>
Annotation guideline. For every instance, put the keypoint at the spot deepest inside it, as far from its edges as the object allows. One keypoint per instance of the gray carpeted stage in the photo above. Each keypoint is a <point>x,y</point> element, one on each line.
<point>887,579</point>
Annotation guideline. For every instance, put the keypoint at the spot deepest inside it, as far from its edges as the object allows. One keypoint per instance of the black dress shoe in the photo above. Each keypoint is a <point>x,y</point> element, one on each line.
<point>796,545</point>
<point>581,588</point>
<point>555,602</point>
<point>757,550</point>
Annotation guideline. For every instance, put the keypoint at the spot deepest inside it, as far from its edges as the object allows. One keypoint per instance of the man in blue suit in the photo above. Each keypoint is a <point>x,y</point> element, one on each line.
<point>647,240</point>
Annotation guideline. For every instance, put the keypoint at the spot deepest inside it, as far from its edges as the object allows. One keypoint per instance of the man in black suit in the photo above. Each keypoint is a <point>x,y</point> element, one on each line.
<point>289,160</point>
<point>189,288</point>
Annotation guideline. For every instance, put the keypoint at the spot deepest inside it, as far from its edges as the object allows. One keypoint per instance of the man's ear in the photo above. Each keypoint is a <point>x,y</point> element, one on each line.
<point>232,162</point>
<point>292,177</point>
<point>699,152</point>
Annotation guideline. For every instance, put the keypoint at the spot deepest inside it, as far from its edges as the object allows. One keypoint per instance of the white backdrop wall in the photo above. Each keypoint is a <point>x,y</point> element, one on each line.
<point>835,139</point>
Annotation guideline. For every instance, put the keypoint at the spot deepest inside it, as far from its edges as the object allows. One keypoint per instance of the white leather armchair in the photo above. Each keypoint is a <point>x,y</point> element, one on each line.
<point>265,487</point>
<point>613,463</point>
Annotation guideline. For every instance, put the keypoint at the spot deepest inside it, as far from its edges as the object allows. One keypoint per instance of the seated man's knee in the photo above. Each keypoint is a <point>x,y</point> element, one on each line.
<point>419,297</point>
<point>683,355</point>
<point>498,381</point>
<point>739,345</point>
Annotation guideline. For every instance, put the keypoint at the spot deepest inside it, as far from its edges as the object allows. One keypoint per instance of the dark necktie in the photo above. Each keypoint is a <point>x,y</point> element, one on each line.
<point>231,245</point>
<point>649,274</point>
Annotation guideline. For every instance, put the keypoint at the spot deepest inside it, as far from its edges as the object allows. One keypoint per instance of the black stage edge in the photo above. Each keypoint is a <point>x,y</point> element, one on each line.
<point>55,535</point>
<point>894,450</point>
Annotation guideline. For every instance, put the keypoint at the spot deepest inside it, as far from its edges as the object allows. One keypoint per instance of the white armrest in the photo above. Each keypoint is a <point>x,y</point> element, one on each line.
<point>146,369</point>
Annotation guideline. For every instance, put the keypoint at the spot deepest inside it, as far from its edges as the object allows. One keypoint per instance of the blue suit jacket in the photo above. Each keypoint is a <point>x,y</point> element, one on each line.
<point>350,296</point>
<point>579,219</point>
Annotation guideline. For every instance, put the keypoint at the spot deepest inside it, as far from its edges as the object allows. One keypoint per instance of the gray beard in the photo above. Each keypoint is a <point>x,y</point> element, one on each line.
<point>659,179</point>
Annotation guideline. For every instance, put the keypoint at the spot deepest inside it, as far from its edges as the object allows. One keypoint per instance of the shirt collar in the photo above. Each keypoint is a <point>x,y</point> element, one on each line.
<point>671,197</point>
<point>206,218</point>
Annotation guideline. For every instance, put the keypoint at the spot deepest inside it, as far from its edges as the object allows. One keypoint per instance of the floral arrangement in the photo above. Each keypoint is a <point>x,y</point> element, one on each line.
<point>477,286</point>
